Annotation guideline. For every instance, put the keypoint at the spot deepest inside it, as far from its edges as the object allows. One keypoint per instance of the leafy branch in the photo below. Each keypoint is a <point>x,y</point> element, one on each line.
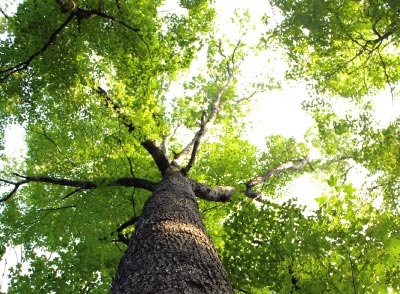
<point>75,12</point>
<point>291,165</point>
<point>158,155</point>
<point>368,45</point>
<point>25,64</point>
<point>207,122</point>
<point>80,185</point>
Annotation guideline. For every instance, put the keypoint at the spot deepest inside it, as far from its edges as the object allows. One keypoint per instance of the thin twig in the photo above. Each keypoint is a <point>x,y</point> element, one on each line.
<point>44,134</point>
<point>386,75</point>
<point>124,151</point>
<point>73,192</point>
<point>3,13</point>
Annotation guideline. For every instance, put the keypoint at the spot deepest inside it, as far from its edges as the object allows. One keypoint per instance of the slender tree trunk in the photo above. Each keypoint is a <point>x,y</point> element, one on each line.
<point>170,250</point>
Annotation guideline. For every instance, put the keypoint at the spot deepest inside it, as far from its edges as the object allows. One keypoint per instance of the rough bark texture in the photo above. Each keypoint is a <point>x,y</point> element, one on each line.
<point>170,251</point>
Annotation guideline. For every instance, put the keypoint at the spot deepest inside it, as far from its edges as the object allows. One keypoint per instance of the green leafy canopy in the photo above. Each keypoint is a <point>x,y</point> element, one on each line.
<point>105,88</point>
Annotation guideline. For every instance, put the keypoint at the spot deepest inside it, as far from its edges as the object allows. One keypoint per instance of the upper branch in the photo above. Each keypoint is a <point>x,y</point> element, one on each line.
<point>82,13</point>
<point>292,165</point>
<point>207,121</point>
<point>165,141</point>
<point>80,185</point>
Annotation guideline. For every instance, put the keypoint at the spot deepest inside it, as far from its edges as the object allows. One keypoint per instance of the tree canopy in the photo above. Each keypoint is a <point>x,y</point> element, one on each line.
<point>109,92</point>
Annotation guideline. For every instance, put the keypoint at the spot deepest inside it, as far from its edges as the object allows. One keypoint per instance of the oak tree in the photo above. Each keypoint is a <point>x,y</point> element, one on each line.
<point>137,175</point>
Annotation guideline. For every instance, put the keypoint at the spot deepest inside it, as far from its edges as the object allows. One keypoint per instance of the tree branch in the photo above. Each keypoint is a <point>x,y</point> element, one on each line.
<point>82,13</point>
<point>125,153</point>
<point>165,141</point>
<point>127,224</point>
<point>74,12</point>
<point>80,185</point>
<point>385,71</point>
<point>44,134</point>
<point>73,192</point>
<point>292,165</point>
<point>216,194</point>
<point>158,155</point>
<point>368,45</point>
<point>4,14</point>
<point>207,122</point>
<point>16,187</point>
<point>59,208</point>
<point>121,237</point>
<point>24,64</point>
<point>196,144</point>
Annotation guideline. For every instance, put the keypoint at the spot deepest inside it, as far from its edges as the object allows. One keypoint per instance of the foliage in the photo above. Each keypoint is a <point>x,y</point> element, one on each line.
<point>346,47</point>
<point>344,247</point>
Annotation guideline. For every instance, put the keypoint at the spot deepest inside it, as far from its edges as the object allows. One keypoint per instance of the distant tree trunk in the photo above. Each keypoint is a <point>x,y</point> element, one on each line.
<point>170,250</point>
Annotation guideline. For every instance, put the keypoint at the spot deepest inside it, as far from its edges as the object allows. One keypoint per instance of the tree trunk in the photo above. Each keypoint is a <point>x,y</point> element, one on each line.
<point>170,250</point>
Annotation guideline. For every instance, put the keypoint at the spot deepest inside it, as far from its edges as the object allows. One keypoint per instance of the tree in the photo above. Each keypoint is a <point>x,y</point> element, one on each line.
<point>120,180</point>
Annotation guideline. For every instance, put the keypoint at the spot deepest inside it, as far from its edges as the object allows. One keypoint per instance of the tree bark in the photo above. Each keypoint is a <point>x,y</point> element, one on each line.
<point>170,250</point>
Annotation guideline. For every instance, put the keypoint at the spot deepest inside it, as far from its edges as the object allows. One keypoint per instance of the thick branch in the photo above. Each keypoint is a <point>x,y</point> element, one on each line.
<point>80,185</point>
<point>217,194</point>
<point>158,155</point>
<point>292,165</point>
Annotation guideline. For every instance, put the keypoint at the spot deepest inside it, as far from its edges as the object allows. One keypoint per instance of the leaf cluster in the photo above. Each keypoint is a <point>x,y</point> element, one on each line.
<point>342,47</point>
